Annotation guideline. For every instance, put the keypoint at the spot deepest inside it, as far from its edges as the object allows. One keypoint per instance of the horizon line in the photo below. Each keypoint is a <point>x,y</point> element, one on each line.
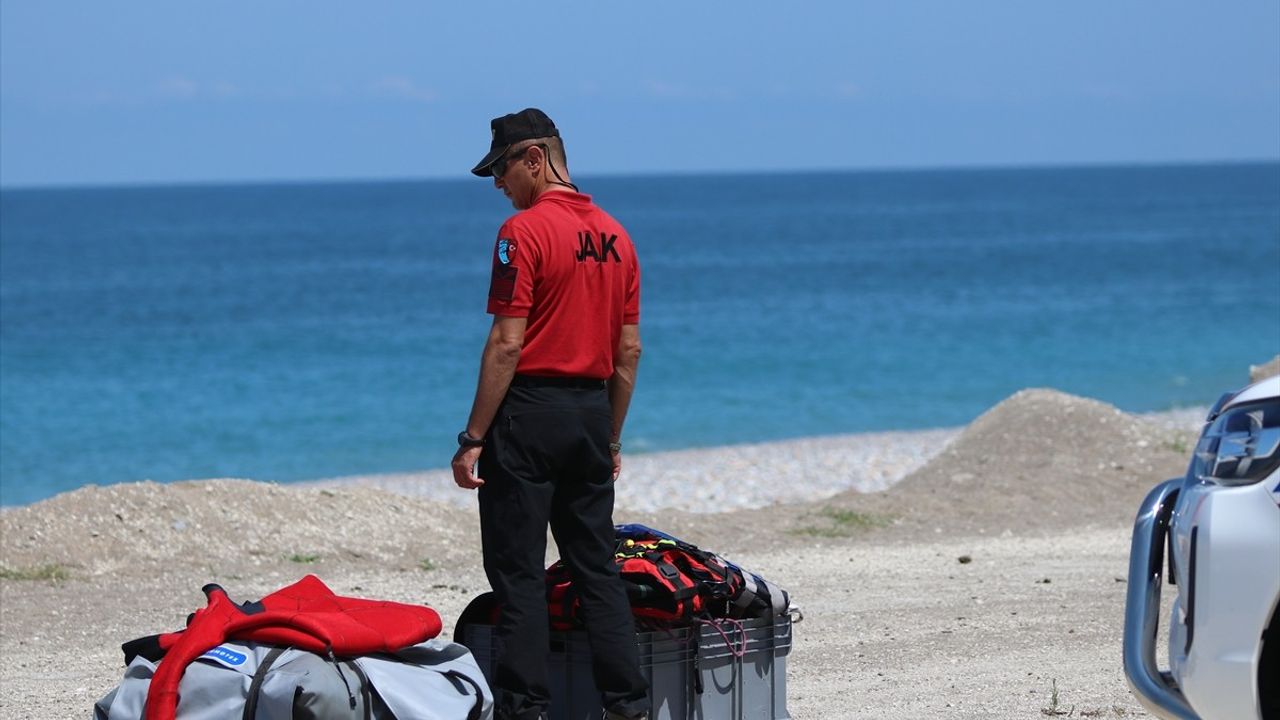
<point>390,179</point>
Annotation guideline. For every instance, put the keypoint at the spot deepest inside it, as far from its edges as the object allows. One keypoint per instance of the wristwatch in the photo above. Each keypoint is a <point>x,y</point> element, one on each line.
<point>466,441</point>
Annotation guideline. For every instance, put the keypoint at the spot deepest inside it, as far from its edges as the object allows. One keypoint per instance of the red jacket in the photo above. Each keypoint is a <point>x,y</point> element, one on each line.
<point>305,615</point>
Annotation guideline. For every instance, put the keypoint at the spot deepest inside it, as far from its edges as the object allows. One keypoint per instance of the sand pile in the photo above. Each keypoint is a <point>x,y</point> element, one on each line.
<point>1265,370</point>
<point>227,525</point>
<point>1040,460</point>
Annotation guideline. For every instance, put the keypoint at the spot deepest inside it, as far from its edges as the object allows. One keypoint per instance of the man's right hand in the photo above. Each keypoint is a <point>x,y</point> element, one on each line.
<point>617,464</point>
<point>464,467</point>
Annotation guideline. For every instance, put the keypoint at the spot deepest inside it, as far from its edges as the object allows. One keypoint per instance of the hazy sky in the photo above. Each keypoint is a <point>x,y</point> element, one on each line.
<point>148,91</point>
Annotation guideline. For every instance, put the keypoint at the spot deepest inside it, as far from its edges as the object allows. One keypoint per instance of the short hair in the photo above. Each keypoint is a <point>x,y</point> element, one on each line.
<point>555,149</point>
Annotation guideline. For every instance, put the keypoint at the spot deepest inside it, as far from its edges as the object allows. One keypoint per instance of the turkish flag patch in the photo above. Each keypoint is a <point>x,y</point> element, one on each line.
<point>502,286</point>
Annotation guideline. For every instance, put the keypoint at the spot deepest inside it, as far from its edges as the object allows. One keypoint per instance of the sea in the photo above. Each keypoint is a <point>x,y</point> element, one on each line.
<point>288,332</point>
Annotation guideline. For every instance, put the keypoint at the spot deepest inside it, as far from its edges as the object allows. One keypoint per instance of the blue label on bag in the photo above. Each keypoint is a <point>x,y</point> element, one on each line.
<point>225,656</point>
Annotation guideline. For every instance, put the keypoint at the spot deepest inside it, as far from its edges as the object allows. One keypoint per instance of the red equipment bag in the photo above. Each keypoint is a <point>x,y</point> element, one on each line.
<point>670,582</point>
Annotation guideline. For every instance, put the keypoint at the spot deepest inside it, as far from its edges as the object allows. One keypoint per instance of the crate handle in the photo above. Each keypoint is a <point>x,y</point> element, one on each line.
<point>739,650</point>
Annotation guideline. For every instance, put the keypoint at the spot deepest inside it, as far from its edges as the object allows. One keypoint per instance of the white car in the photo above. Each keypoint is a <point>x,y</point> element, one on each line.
<point>1221,524</point>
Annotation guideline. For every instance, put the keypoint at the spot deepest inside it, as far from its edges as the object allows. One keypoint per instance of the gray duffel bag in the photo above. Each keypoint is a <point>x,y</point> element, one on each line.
<point>434,680</point>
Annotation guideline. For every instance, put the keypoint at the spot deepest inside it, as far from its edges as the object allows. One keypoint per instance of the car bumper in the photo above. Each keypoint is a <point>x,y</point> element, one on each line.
<point>1156,690</point>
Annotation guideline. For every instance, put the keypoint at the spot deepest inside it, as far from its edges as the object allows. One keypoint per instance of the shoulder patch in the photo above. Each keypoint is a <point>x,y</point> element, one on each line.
<point>506,250</point>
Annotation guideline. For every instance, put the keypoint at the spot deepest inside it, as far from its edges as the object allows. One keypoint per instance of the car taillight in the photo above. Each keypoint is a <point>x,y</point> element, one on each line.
<point>1241,446</point>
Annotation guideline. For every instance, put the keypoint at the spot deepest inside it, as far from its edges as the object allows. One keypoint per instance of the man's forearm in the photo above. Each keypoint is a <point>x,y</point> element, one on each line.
<point>497,368</point>
<point>621,385</point>
<point>626,362</point>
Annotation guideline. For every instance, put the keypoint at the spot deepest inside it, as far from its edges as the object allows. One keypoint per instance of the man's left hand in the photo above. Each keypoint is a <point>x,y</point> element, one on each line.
<point>464,467</point>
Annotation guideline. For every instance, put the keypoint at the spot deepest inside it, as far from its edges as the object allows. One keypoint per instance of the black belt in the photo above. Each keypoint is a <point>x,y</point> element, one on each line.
<point>557,381</point>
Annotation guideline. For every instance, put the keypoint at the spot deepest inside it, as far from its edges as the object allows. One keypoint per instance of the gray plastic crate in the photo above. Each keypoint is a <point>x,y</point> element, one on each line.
<point>693,673</point>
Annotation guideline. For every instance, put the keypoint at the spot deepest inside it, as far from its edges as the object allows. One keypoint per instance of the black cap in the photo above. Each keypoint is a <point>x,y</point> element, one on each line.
<point>510,129</point>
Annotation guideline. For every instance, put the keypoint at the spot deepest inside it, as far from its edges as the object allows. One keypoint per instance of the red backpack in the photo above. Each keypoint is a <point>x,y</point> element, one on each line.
<point>670,582</point>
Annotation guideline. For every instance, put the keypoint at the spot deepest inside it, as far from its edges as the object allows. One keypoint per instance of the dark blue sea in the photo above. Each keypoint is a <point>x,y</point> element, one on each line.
<point>287,332</point>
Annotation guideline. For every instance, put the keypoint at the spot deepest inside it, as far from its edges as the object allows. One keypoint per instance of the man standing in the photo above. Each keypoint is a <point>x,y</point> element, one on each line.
<point>556,377</point>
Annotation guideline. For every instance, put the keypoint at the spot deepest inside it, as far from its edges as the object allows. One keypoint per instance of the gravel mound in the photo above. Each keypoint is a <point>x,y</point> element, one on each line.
<point>1040,460</point>
<point>1265,370</point>
<point>228,525</point>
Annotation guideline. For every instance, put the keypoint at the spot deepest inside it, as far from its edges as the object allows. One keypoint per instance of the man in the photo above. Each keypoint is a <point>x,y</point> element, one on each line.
<point>556,377</point>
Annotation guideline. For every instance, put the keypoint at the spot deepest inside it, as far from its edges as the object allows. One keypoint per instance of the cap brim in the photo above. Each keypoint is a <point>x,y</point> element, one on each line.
<point>484,167</point>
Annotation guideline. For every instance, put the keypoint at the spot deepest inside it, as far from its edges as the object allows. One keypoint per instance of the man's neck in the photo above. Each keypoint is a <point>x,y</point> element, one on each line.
<point>551,186</point>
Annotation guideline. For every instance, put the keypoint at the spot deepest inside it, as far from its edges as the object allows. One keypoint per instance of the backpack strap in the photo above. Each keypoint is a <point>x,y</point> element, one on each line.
<point>777,596</point>
<point>751,587</point>
<point>478,708</point>
<point>748,594</point>
<point>685,589</point>
<point>683,586</point>
<point>259,676</point>
<point>351,697</point>
<point>364,689</point>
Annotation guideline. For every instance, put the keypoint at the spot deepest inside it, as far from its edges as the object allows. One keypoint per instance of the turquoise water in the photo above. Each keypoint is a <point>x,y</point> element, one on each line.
<point>287,332</point>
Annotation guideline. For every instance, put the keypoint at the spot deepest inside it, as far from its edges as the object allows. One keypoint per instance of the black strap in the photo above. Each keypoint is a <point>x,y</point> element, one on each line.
<point>364,689</point>
<point>148,647</point>
<point>681,585</point>
<point>684,590</point>
<point>476,708</point>
<point>259,675</point>
<point>559,180</point>
<point>669,572</point>
<point>694,665</point>
<point>351,697</point>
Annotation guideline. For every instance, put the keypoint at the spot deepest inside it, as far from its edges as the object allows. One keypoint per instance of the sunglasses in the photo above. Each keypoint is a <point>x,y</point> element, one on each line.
<point>500,165</point>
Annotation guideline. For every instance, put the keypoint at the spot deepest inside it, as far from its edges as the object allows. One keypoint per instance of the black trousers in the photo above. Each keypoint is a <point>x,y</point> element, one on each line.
<point>546,461</point>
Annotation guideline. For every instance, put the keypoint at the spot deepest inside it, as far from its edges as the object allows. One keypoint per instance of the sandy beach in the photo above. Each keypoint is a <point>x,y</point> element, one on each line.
<point>950,573</point>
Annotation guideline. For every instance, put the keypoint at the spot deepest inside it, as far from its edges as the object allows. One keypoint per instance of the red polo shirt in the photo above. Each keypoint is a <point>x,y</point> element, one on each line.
<point>571,269</point>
